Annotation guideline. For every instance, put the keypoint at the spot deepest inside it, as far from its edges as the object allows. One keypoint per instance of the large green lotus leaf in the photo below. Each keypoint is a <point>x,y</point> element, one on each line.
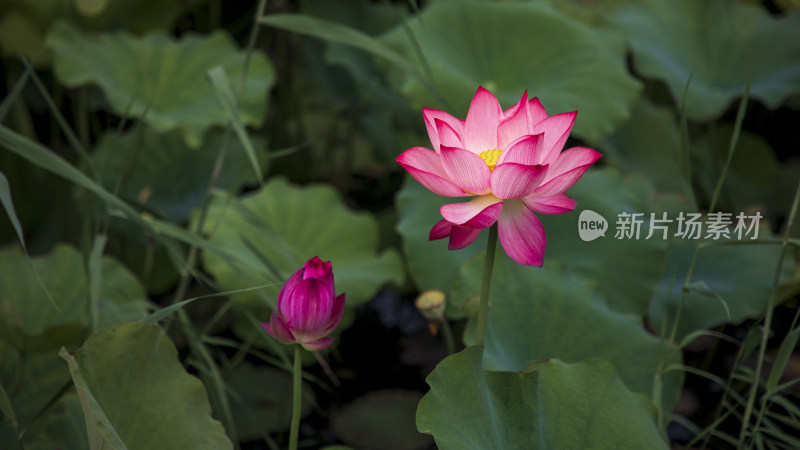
<point>370,17</point>
<point>720,44</point>
<point>627,284</point>
<point>543,313</point>
<point>134,391</point>
<point>261,400</point>
<point>279,227</point>
<point>24,24</point>
<point>149,164</point>
<point>624,271</point>
<point>595,12</point>
<point>384,116</point>
<point>32,321</point>
<point>510,47</point>
<point>161,79</point>
<point>755,180</point>
<point>381,419</point>
<point>649,144</point>
<point>735,279</point>
<point>556,405</point>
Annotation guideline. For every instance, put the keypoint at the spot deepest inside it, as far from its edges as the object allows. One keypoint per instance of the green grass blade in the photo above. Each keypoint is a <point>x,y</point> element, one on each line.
<point>342,34</point>
<point>784,386</point>
<point>251,44</point>
<point>100,429</point>
<point>787,347</point>
<point>685,163</point>
<point>161,228</point>
<point>219,80</point>
<point>767,327</point>
<point>699,333</point>
<point>708,375</point>
<point>163,313</point>
<point>46,407</point>
<point>790,407</point>
<point>7,408</point>
<point>46,159</point>
<point>338,33</point>
<point>74,142</point>
<point>737,129</point>
<point>212,376</point>
<point>15,92</point>
<point>8,205</point>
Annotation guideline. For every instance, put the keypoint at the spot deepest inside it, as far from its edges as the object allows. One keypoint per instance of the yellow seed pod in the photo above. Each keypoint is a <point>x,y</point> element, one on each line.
<point>490,157</point>
<point>431,304</point>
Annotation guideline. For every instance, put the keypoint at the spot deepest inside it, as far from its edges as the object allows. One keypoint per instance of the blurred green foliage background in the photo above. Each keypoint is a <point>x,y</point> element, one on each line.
<point>165,165</point>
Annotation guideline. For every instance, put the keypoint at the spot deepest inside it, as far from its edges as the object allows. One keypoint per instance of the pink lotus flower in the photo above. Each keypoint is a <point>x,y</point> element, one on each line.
<point>509,161</point>
<point>307,309</point>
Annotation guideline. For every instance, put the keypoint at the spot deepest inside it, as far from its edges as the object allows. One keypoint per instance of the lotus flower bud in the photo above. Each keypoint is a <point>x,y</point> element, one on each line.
<point>307,309</point>
<point>431,304</point>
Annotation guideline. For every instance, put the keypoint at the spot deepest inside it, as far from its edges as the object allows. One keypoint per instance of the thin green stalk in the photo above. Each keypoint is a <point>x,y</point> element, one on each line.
<point>191,260</point>
<point>251,44</point>
<point>720,182</point>
<point>686,168</point>
<point>73,140</point>
<point>449,342</point>
<point>751,398</point>
<point>297,397</point>
<point>488,264</point>
<point>737,129</point>
<point>327,369</point>
<point>212,376</point>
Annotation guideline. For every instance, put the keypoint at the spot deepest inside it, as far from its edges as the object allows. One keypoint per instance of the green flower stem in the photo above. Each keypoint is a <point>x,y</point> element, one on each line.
<point>297,397</point>
<point>483,308</point>
<point>449,342</point>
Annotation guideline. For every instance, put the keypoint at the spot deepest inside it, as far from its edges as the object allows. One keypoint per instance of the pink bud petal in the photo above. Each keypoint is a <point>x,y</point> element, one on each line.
<point>288,286</point>
<point>318,345</point>
<point>336,316</point>
<point>309,306</point>
<point>277,329</point>
<point>316,268</point>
